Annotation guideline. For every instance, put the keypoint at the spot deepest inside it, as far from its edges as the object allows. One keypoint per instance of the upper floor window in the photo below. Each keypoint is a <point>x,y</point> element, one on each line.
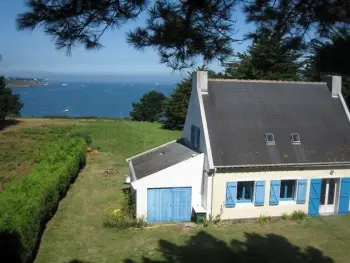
<point>195,136</point>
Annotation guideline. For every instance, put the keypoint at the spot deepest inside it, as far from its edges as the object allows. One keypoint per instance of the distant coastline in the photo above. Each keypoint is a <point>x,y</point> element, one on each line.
<point>24,83</point>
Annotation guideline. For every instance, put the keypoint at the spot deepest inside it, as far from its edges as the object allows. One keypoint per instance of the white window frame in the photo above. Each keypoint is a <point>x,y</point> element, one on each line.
<point>292,138</point>
<point>273,142</point>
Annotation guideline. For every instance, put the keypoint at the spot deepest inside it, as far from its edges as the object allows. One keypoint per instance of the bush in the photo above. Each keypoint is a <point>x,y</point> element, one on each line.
<point>285,216</point>
<point>264,219</point>
<point>124,217</point>
<point>298,215</point>
<point>84,135</point>
<point>27,204</point>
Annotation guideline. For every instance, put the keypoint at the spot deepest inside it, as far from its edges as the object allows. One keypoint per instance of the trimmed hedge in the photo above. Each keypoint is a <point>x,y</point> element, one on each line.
<point>27,204</point>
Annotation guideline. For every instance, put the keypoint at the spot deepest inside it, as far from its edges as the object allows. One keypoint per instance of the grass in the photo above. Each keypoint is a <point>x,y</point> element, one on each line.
<point>76,233</point>
<point>20,144</point>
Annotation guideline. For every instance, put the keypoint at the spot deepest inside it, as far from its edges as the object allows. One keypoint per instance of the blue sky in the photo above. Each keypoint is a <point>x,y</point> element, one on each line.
<point>28,53</point>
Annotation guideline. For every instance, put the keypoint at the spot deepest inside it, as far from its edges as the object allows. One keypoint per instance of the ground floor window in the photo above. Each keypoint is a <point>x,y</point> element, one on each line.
<point>245,192</point>
<point>287,191</point>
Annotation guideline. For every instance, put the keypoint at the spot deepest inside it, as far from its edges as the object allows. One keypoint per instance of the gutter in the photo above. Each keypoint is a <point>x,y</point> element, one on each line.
<point>295,165</point>
<point>132,171</point>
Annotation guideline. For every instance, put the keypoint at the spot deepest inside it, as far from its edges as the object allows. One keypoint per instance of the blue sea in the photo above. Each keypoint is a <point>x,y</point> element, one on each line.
<point>113,100</point>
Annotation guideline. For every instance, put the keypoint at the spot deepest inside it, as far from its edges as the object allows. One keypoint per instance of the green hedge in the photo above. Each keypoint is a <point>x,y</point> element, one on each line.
<point>27,204</point>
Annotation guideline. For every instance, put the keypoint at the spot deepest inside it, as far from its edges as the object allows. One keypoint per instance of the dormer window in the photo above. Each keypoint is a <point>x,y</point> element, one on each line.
<point>295,138</point>
<point>270,139</point>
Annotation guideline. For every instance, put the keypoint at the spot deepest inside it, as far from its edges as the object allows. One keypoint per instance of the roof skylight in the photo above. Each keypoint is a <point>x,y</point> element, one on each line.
<point>295,138</point>
<point>270,139</point>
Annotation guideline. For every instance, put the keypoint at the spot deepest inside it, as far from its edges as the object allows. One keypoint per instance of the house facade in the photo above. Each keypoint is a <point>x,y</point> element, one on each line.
<point>250,148</point>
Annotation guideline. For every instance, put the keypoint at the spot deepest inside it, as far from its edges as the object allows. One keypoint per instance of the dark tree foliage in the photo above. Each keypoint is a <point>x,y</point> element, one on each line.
<point>269,57</point>
<point>302,19</point>
<point>150,107</point>
<point>181,31</point>
<point>175,109</point>
<point>331,57</point>
<point>9,103</point>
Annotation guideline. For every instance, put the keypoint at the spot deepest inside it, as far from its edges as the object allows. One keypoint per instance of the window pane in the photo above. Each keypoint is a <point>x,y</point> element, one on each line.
<point>323,191</point>
<point>290,189</point>
<point>283,186</point>
<point>248,190</point>
<point>245,190</point>
<point>287,188</point>
<point>239,191</point>
<point>331,191</point>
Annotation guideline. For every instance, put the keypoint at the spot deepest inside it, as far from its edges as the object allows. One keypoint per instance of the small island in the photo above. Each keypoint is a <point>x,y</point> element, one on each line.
<point>24,82</point>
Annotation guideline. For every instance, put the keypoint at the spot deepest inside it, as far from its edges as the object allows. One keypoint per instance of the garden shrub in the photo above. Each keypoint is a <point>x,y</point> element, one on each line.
<point>264,219</point>
<point>27,204</point>
<point>124,217</point>
<point>298,215</point>
<point>82,134</point>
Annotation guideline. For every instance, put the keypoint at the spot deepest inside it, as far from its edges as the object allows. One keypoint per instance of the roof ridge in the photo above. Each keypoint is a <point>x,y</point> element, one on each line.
<point>267,81</point>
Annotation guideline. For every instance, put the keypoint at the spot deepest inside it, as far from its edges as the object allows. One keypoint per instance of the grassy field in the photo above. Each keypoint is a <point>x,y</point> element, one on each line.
<point>76,234</point>
<point>20,142</point>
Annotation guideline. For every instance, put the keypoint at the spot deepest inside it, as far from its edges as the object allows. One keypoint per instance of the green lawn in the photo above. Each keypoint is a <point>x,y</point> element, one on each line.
<point>76,234</point>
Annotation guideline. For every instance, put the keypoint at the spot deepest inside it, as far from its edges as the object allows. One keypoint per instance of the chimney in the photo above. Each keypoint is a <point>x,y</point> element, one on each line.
<point>334,84</point>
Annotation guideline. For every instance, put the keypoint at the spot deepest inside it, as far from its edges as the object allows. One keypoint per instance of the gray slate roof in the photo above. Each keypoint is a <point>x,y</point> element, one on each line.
<point>161,158</point>
<point>240,113</point>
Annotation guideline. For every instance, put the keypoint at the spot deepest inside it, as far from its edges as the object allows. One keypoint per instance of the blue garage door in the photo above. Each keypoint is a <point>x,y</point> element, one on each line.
<point>169,204</point>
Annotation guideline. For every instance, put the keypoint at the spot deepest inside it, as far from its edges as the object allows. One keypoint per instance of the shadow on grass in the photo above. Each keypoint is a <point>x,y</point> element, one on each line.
<point>7,123</point>
<point>205,248</point>
<point>77,261</point>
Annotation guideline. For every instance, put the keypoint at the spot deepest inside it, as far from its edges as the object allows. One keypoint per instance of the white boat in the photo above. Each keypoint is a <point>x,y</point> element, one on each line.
<point>64,84</point>
<point>66,110</point>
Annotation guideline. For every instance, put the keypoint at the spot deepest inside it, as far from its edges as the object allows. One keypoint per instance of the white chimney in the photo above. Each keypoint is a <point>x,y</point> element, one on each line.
<point>334,84</point>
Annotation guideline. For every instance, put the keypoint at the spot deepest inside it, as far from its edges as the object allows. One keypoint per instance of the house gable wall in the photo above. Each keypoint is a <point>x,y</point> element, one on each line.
<point>196,116</point>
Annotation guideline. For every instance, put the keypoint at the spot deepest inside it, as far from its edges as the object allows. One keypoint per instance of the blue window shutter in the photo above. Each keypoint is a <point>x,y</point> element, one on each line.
<point>344,198</point>
<point>301,195</point>
<point>231,194</point>
<point>192,133</point>
<point>259,193</point>
<point>275,192</point>
<point>198,137</point>
<point>315,197</point>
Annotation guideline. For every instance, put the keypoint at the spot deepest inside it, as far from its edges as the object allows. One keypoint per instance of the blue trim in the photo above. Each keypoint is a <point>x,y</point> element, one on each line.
<point>244,201</point>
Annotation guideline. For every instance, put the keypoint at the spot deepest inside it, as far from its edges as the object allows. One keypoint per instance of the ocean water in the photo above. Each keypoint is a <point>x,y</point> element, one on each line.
<point>113,100</point>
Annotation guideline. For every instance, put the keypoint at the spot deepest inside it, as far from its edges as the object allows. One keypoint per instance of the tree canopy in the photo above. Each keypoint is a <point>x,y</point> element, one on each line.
<point>181,31</point>
<point>149,108</point>
<point>9,103</point>
<point>268,57</point>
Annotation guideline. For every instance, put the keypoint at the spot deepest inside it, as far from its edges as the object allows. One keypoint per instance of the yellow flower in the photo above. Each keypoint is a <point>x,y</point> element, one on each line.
<point>116,212</point>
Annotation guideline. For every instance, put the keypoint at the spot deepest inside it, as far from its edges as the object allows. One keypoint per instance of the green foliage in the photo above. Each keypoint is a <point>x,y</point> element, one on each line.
<point>150,107</point>
<point>82,134</point>
<point>269,58</point>
<point>330,58</point>
<point>264,219</point>
<point>180,31</point>
<point>27,204</point>
<point>124,217</point>
<point>176,107</point>
<point>9,103</point>
<point>299,20</point>
<point>285,216</point>
<point>298,215</point>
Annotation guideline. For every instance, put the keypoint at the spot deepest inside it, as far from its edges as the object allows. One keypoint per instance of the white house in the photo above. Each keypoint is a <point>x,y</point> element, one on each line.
<point>250,148</point>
